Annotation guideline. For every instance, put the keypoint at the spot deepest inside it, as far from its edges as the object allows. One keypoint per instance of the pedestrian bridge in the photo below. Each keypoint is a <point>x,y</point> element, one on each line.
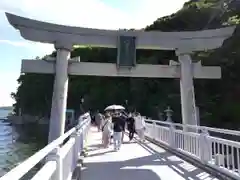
<point>171,151</point>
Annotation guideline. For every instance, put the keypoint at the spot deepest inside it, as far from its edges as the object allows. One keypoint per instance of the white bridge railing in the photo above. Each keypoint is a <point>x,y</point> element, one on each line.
<point>211,146</point>
<point>59,158</point>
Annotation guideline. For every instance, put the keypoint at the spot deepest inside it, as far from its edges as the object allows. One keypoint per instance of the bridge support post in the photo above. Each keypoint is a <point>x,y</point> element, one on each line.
<point>187,90</point>
<point>154,131</point>
<point>77,145</point>
<point>75,150</point>
<point>60,89</point>
<point>81,145</point>
<point>172,136</point>
<point>80,134</point>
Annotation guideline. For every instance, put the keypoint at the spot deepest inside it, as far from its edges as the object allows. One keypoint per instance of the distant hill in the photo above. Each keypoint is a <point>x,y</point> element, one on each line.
<point>6,108</point>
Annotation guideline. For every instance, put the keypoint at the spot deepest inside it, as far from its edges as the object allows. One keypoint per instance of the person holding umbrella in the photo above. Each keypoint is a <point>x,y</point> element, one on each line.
<point>119,119</point>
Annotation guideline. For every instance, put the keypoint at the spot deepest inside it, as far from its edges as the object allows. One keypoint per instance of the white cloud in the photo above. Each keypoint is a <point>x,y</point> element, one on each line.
<point>42,48</point>
<point>85,13</point>
<point>7,87</point>
<point>5,98</point>
<point>14,43</point>
<point>90,13</point>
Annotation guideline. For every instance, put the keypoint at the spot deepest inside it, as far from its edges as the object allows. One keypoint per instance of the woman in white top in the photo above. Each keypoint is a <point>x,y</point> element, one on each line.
<point>139,126</point>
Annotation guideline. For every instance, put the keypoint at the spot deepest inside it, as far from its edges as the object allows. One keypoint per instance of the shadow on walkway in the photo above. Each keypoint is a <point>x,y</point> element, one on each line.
<point>157,164</point>
<point>100,153</point>
<point>94,147</point>
<point>184,169</point>
<point>124,170</point>
<point>118,171</point>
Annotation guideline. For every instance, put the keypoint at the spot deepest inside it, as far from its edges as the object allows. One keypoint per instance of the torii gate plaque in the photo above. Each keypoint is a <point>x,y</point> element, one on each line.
<point>64,37</point>
<point>126,52</point>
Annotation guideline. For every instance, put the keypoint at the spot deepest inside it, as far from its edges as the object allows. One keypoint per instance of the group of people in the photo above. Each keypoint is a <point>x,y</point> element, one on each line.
<point>113,125</point>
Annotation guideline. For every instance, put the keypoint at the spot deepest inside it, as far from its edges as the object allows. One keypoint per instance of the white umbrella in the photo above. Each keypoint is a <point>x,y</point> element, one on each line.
<point>114,107</point>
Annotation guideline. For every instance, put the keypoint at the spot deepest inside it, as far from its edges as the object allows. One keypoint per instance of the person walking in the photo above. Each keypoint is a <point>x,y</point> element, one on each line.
<point>123,117</point>
<point>117,131</point>
<point>106,131</point>
<point>140,126</point>
<point>99,120</point>
<point>130,126</point>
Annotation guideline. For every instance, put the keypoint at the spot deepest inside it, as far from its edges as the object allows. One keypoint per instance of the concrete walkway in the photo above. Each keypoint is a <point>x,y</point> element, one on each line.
<point>135,161</point>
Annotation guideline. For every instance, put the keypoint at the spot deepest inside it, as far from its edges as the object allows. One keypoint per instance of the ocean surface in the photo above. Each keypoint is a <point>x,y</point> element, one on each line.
<point>15,144</point>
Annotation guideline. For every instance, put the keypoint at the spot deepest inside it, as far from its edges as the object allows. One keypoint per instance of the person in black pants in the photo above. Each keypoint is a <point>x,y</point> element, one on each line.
<point>123,118</point>
<point>130,126</point>
<point>117,131</point>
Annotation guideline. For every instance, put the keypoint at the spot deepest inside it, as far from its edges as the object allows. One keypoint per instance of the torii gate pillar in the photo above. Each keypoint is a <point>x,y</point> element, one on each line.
<point>60,90</point>
<point>188,103</point>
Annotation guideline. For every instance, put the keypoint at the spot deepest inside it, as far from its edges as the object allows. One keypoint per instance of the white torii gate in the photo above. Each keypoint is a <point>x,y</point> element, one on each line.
<point>64,37</point>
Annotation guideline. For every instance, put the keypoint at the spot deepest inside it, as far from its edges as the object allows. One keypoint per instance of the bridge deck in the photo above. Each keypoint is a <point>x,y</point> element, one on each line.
<point>135,161</point>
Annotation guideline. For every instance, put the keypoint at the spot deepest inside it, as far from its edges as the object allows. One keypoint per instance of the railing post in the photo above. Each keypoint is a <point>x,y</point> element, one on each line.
<point>77,148</point>
<point>80,142</point>
<point>84,134</point>
<point>55,156</point>
<point>154,131</point>
<point>205,146</point>
<point>172,136</point>
<point>75,153</point>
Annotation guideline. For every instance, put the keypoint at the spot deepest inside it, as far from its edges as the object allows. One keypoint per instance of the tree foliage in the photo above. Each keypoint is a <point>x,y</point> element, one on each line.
<point>219,100</point>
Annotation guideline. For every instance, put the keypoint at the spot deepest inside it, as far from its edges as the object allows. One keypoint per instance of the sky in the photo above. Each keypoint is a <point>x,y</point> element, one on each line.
<point>102,14</point>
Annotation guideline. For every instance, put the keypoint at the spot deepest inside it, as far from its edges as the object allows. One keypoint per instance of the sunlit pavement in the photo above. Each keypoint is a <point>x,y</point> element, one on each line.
<point>135,161</point>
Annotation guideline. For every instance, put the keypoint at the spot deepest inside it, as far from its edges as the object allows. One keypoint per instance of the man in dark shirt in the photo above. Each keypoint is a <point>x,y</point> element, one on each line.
<point>123,117</point>
<point>117,131</point>
<point>130,126</point>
